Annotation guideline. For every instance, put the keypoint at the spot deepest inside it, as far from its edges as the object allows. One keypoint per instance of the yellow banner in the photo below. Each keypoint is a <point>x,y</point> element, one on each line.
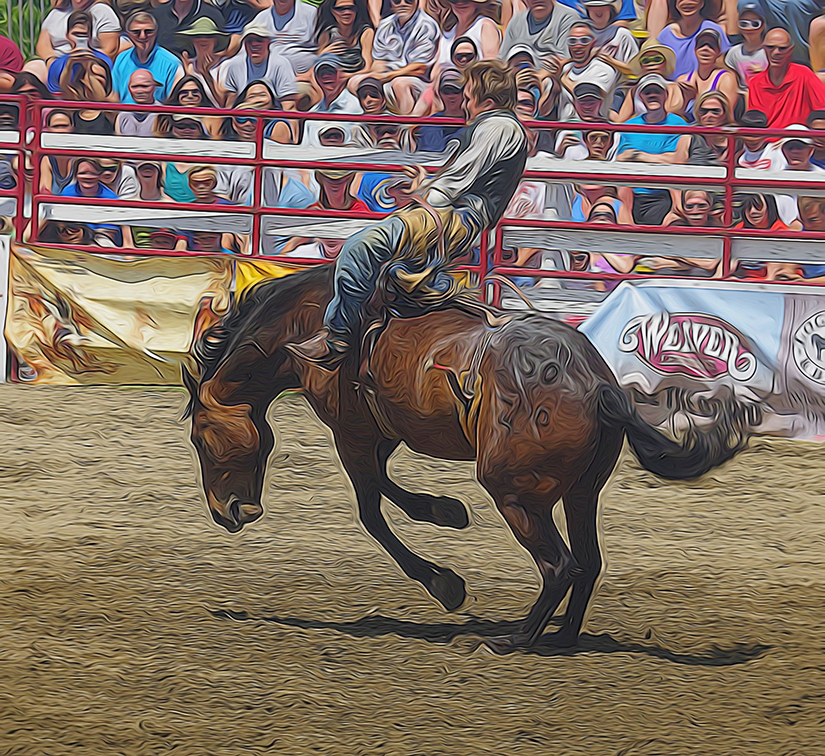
<point>77,318</point>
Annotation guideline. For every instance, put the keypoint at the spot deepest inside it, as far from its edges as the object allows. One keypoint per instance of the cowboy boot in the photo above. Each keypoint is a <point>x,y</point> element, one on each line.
<point>321,350</point>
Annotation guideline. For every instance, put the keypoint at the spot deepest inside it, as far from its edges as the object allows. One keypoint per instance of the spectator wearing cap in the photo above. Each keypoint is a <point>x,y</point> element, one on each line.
<point>259,60</point>
<point>176,16</point>
<point>588,100</point>
<point>205,47</point>
<point>653,58</point>
<point>708,76</point>
<point>432,137</point>
<point>748,58</point>
<point>344,28</point>
<point>785,92</point>
<point>54,41</point>
<point>544,27</point>
<point>760,152</point>
<point>291,25</point>
<point>370,93</point>
<point>613,42</point>
<point>405,47</point>
<point>585,66</point>
<point>650,206</point>
<point>463,53</point>
<point>142,30</point>
<point>142,88</point>
<point>79,29</point>
<point>690,18</point>
<point>335,98</point>
<point>816,121</point>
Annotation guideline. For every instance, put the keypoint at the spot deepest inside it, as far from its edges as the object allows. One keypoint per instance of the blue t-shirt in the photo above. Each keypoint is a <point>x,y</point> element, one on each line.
<point>161,64</point>
<point>627,13</point>
<point>434,138</point>
<point>103,192</point>
<point>654,144</point>
<point>56,69</point>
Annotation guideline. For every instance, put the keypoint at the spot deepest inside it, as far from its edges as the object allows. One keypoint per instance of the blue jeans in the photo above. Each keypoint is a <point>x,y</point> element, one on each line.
<point>359,265</point>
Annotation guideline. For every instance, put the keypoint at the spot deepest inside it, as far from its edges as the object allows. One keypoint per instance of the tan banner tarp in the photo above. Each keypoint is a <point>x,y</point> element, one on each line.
<point>79,318</point>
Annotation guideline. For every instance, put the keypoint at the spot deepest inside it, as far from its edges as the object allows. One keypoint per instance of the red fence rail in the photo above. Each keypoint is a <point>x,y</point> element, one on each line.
<point>30,145</point>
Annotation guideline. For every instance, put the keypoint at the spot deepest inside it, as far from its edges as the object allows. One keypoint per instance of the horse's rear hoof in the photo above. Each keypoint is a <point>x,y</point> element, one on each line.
<point>507,644</point>
<point>448,589</point>
<point>449,513</point>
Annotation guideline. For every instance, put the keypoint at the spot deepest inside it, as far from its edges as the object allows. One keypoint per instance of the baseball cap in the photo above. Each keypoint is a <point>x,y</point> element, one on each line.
<point>371,83</point>
<point>522,50</point>
<point>328,60</point>
<point>754,6</point>
<point>257,30</point>
<point>450,79</point>
<point>713,34</point>
<point>203,27</point>
<point>185,117</point>
<point>803,139</point>
<point>651,79</point>
<point>587,89</point>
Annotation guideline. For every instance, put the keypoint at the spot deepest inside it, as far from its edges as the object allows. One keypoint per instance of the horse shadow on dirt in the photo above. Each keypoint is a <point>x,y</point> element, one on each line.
<point>376,625</point>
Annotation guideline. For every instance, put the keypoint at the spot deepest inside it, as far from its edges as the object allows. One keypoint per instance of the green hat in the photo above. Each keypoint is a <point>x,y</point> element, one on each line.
<point>203,27</point>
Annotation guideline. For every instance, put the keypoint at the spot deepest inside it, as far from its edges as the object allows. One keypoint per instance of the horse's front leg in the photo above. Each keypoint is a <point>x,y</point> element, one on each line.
<point>444,511</point>
<point>362,462</point>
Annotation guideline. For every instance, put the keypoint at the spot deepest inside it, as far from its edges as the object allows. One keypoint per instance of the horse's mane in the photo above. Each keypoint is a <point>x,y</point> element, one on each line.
<point>261,304</point>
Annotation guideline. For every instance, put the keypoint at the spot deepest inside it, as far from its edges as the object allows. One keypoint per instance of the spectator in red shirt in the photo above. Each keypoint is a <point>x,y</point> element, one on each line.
<point>786,92</point>
<point>11,63</point>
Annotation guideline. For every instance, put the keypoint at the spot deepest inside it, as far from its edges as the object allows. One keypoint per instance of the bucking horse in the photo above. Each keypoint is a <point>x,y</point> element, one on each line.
<point>525,396</point>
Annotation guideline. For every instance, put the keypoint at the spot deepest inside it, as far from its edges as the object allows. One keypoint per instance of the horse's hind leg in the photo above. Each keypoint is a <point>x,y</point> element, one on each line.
<point>530,516</point>
<point>439,510</point>
<point>362,463</point>
<point>581,504</point>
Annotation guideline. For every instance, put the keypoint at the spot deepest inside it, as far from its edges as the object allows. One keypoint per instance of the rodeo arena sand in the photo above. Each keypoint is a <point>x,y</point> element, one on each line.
<point>132,624</point>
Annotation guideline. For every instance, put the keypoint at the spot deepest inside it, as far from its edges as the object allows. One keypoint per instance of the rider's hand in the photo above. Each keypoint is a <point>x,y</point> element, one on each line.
<point>417,175</point>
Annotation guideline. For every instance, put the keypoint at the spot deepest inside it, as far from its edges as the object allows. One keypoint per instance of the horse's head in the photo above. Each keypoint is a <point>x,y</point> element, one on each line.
<point>233,441</point>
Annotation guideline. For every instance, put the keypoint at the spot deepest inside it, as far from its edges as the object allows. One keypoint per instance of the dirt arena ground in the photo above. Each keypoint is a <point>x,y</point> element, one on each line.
<point>129,624</point>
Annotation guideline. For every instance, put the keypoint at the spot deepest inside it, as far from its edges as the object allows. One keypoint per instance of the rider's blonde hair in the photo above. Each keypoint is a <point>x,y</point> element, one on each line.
<point>493,80</point>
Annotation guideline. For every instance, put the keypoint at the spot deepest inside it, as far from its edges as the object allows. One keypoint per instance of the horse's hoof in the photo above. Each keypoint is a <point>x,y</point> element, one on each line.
<point>448,589</point>
<point>506,644</point>
<point>449,513</point>
<point>561,639</point>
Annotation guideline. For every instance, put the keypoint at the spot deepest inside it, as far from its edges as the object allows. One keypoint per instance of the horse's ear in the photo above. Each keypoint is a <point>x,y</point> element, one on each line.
<point>189,381</point>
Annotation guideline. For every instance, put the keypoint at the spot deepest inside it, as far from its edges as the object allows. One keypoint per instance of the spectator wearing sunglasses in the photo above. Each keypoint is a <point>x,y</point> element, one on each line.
<point>120,178</point>
<point>713,111</point>
<point>748,58</point>
<point>463,53</point>
<point>585,66</point>
<point>785,92</point>
<point>691,18</point>
<point>405,47</point>
<point>434,138</point>
<point>142,31</point>
<point>179,126</point>
<point>466,18</point>
<point>707,76</point>
<point>653,58</point>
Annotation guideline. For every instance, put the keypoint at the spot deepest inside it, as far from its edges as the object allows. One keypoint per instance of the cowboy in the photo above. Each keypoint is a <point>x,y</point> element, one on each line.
<point>451,210</point>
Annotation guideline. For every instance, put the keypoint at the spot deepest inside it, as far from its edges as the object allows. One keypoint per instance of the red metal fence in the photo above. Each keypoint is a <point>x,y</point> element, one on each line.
<point>33,144</point>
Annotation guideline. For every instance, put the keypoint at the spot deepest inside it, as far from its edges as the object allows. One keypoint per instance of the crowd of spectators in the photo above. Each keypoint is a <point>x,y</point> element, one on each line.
<point>759,64</point>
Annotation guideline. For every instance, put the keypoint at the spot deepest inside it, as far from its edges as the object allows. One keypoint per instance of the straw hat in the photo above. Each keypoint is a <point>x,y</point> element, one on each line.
<point>653,46</point>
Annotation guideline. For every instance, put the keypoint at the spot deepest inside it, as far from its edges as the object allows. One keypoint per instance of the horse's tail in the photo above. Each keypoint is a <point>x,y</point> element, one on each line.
<point>697,451</point>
